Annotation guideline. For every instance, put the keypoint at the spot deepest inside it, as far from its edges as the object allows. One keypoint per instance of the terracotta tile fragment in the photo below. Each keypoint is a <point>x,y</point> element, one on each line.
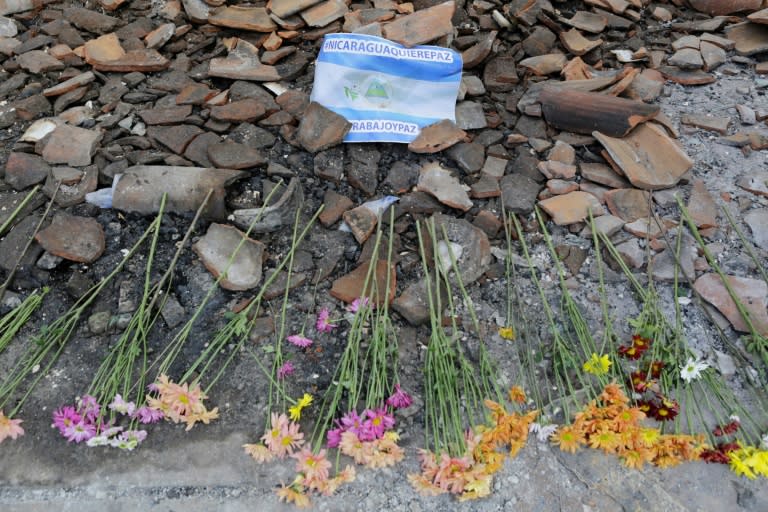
<point>437,137</point>
<point>244,18</point>
<point>648,157</point>
<point>422,26</point>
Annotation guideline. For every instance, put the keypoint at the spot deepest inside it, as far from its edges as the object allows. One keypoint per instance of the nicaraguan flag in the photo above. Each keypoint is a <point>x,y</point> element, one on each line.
<point>387,91</point>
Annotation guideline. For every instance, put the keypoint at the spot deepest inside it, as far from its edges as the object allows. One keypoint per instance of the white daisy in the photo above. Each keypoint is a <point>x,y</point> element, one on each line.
<point>543,432</point>
<point>692,369</point>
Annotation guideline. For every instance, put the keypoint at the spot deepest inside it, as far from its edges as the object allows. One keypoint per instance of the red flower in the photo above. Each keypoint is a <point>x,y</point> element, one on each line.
<point>639,384</point>
<point>714,456</point>
<point>728,447</point>
<point>648,407</point>
<point>655,369</point>
<point>666,410</point>
<point>631,352</point>
<point>730,428</point>
<point>640,342</point>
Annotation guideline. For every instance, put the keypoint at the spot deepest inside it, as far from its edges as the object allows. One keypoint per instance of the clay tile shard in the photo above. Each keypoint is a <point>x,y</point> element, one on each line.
<point>717,124</point>
<point>723,7</point>
<point>572,207</point>
<point>285,8</point>
<point>759,17</point>
<point>142,186</point>
<point>37,61</point>
<point>243,63</point>
<point>324,13</point>
<point>648,157</point>
<point>477,53</point>
<point>362,221</point>
<point>106,54</point>
<point>577,44</point>
<point>686,77</point>
<point>321,128</point>
<point>617,6</point>
<point>751,294</point>
<point>701,206</point>
<point>71,145</point>
<point>588,22</point>
<point>440,183</point>
<point>73,238</point>
<point>70,85</point>
<point>242,111</point>
<point>545,64</point>
<point>216,248</point>
<point>244,18</point>
<point>437,137</point>
<point>353,285</point>
<point>749,38</point>
<point>14,6</point>
<point>422,26</point>
<point>585,112</point>
<point>89,20</point>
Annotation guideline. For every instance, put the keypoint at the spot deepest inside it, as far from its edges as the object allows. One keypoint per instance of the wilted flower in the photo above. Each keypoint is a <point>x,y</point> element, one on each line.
<point>285,370</point>
<point>323,323</point>
<point>9,427</point>
<point>399,398</point>
<point>508,332</point>
<point>299,340</point>
<point>120,405</point>
<point>358,303</point>
<point>543,432</point>
<point>147,415</point>
<point>295,410</point>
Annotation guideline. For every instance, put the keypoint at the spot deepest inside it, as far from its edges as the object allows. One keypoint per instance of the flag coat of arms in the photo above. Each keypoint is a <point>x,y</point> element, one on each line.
<point>387,91</point>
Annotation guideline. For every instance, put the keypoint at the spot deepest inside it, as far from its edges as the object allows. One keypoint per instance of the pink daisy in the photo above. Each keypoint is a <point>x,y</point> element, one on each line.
<point>79,432</point>
<point>65,417</point>
<point>323,323</point>
<point>299,340</point>
<point>147,414</point>
<point>357,303</point>
<point>334,437</point>
<point>379,421</point>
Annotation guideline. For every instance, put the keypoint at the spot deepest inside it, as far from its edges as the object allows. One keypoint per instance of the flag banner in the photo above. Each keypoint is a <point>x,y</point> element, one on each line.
<point>387,91</point>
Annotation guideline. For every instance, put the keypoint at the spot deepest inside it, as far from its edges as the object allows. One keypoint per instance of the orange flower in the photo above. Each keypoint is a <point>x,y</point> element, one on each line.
<point>567,438</point>
<point>605,439</point>
<point>516,394</point>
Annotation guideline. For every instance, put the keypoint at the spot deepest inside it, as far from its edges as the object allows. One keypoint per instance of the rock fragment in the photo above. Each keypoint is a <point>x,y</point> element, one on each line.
<point>73,238</point>
<point>321,128</point>
<point>441,184</point>
<point>216,250</point>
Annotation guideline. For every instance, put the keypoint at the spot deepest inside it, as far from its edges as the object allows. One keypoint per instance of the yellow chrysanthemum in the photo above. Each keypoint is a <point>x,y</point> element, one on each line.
<point>597,365</point>
<point>508,332</point>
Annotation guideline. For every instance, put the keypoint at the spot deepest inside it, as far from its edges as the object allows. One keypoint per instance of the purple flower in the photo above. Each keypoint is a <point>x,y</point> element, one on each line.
<point>79,432</point>
<point>120,405</point>
<point>65,417</point>
<point>285,370</point>
<point>152,387</point>
<point>129,439</point>
<point>323,323</point>
<point>334,437</point>
<point>147,414</point>
<point>89,408</point>
<point>358,303</point>
<point>399,399</point>
<point>351,422</point>
<point>299,340</point>
<point>379,421</point>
